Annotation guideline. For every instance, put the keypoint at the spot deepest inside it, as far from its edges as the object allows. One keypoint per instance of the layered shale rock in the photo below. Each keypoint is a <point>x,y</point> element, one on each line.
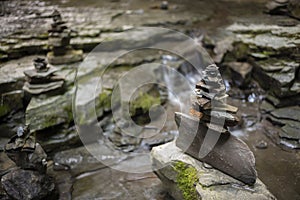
<point>273,53</point>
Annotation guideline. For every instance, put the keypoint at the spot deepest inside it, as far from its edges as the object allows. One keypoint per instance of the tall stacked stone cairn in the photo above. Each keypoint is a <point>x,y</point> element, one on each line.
<point>204,133</point>
<point>42,78</point>
<point>59,43</point>
<point>28,180</point>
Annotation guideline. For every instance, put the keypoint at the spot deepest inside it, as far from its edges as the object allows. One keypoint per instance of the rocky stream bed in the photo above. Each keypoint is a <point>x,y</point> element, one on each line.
<point>258,55</point>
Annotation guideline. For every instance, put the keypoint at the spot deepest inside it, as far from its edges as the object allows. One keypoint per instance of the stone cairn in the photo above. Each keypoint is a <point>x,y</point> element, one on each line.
<point>28,180</point>
<point>210,95</point>
<point>25,152</point>
<point>59,42</point>
<point>42,79</point>
<point>208,121</point>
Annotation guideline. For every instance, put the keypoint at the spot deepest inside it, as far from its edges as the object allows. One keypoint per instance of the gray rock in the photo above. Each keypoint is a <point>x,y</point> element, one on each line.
<point>71,56</point>
<point>191,136</point>
<point>46,112</point>
<point>292,113</point>
<point>284,102</point>
<point>291,131</point>
<point>200,182</point>
<point>79,160</point>
<point>294,8</point>
<point>11,101</point>
<point>36,89</point>
<point>26,184</point>
<point>240,73</point>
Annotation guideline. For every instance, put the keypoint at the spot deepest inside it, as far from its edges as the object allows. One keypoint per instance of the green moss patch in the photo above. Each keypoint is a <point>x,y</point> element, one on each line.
<point>186,179</point>
<point>143,103</point>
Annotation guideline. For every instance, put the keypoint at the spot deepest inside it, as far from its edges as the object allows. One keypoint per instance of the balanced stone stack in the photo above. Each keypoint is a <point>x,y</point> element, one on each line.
<point>204,134</point>
<point>42,79</point>
<point>29,179</point>
<point>59,42</point>
<point>210,97</point>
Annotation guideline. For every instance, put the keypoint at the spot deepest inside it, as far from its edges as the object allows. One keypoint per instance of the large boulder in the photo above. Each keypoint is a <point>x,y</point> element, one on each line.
<point>187,178</point>
<point>27,184</point>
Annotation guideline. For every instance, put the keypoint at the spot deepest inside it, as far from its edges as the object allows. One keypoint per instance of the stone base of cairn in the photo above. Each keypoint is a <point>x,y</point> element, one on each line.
<point>70,56</point>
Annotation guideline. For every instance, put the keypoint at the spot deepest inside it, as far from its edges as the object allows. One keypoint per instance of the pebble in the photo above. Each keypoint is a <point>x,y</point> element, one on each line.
<point>261,144</point>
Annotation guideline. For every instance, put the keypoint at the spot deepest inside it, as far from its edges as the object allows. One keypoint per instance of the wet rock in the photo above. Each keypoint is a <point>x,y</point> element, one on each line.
<point>240,73</point>
<point>11,101</point>
<point>277,6</point>
<point>71,56</point>
<point>78,161</point>
<point>43,79</point>
<point>117,186</point>
<point>266,107</point>
<point>44,112</point>
<point>186,178</point>
<point>284,7</point>
<point>284,102</point>
<point>292,113</point>
<point>266,39</point>
<point>241,166</point>
<point>291,131</point>
<point>276,76</point>
<point>27,184</point>
<point>6,164</point>
<point>294,8</point>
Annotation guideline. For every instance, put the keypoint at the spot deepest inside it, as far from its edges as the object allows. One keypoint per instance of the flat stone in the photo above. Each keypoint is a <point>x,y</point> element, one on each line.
<point>210,183</point>
<point>191,137</point>
<point>292,113</point>
<point>266,107</point>
<point>277,80</point>
<point>218,117</point>
<point>42,88</point>
<point>79,160</point>
<point>291,131</point>
<point>292,144</point>
<point>284,102</point>
<point>71,56</point>
<point>34,74</point>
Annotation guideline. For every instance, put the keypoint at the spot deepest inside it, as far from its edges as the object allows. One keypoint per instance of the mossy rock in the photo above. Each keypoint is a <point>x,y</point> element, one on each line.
<point>143,103</point>
<point>187,178</point>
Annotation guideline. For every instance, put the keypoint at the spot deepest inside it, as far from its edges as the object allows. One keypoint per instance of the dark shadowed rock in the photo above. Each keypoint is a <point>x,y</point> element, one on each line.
<point>229,155</point>
<point>26,184</point>
<point>240,73</point>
